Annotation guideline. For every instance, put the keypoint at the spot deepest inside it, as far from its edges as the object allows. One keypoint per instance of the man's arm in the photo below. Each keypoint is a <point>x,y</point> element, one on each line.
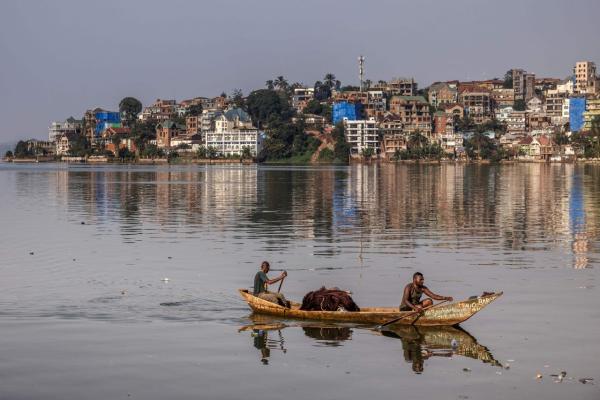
<point>275,280</point>
<point>436,296</point>
<point>406,297</point>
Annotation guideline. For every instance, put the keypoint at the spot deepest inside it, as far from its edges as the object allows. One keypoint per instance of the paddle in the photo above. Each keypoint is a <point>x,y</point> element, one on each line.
<point>280,283</point>
<point>409,315</point>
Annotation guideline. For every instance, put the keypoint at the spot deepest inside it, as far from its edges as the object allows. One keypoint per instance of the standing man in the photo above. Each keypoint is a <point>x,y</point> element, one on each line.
<point>411,298</point>
<point>261,280</point>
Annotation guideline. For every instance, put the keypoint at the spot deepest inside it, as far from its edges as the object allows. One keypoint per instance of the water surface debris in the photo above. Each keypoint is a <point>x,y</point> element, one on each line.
<point>165,279</point>
<point>586,380</point>
<point>31,253</point>
<point>538,376</point>
<point>467,369</point>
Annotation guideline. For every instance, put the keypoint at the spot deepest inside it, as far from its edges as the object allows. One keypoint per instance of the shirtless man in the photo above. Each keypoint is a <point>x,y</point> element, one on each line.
<point>411,298</point>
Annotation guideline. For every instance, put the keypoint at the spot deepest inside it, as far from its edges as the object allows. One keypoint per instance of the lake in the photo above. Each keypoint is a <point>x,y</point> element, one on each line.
<point>121,281</point>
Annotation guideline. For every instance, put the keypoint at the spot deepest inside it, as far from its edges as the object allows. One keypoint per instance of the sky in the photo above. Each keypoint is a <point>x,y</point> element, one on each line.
<point>59,58</point>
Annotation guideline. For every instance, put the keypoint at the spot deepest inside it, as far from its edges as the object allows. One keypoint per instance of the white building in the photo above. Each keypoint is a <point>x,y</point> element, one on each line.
<point>70,126</point>
<point>302,96</point>
<point>233,132</point>
<point>362,134</point>
<point>503,113</point>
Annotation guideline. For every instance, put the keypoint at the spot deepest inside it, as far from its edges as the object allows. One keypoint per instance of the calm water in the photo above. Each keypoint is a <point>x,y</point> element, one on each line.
<point>85,311</point>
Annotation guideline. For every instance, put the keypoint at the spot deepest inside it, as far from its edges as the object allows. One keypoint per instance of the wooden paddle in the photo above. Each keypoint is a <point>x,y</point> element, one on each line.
<point>410,314</point>
<point>281,283</point>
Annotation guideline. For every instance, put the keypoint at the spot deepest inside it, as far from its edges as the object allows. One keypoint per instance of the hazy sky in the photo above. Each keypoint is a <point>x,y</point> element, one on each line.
<point>59,58</point>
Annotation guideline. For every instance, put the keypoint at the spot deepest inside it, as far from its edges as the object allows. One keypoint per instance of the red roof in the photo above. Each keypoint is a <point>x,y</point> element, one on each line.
<point>119,131</point>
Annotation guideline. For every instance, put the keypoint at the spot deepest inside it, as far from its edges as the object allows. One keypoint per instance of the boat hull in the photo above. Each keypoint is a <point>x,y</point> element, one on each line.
<point>443,315</point>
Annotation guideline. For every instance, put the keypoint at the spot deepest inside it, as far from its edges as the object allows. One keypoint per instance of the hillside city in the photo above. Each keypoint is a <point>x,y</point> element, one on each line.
<point>519,117</point>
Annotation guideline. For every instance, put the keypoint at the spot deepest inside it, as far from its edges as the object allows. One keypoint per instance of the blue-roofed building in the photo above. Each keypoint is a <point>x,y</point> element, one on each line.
<point>105,120</point>
<point>345,109</point>
<point>576,110</point>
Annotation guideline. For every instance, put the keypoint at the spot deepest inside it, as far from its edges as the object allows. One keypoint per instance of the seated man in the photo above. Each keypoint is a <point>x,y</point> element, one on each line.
<point>261,280</point>
<point>411,298</point>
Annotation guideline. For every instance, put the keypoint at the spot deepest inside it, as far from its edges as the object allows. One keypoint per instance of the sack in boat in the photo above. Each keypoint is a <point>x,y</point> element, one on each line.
<point>328,300</point>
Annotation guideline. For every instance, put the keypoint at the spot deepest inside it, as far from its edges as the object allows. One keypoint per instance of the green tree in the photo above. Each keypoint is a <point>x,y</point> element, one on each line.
<point>270,84</point>
<point>508,79</point>
<point>238,98</point>
<point>341,149</point>
<point>520,105</point>
<point>80,146</point>
<point>417,140</point>
<point>322,91</point>
<point>329,80</point>
<point>313,107</point>
<point>368,152</point>
<point>211,152</point>
<point>481,146</point>
<point>22,150</point>
<point>264,105</point>
<point>129,108</point>
<point>246,153</point>
<point>281,83</point>
<point>8,154</point>
<point>194,110</point>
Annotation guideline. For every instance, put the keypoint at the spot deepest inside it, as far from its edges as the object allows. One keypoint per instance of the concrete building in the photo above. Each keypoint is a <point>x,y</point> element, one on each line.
<point>166,131</point>
<point>585,77</point>
<point>401,87</point>
<point>503,113</point>
<point>70,125</point>
<point>413,112</point>
<point>442,93</point>
<point>391,130</point>
<point>523,84</point>
<point>541,147</point>
<point>592,108</point>
<point>301,97</point>
<point>64,142</point>
<point>502,97</point>
<point>553,106</point>
<point>477,103</point>
<point>160,110</point>
<point>534,104</point>
<point>362,135</point>
<point>234,132</point>
<point>566,86</point>
<point>516,123</point>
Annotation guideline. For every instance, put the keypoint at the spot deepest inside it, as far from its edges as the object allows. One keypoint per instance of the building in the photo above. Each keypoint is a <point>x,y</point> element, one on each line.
<point>553,106</point>
<point>301,97</point>
<point>401,87</point>
<point>566,86</point>
<point>585,77</point>
<point>540,147</point>
<point>516,123</point>
<point>160,110</point>
<point>503,113</point>
<point>41,147</point>
<point>166,131</point>
<point>70,125</point>
<point>538,121</point>
<point>577,107</point>
<point>104,120</point>
<point>502,97</point>
<point>346,109</point>
<point>592,111</point>
<point>455,110</point>
<point>477,103</point>
<point>234,132</point>
<point>442,93</point>
<point>534,104</point>
<point>64,142</point>
<point>523,84</point>
<point>361,135</point>
<point>413,112</point>
<point>391,130</point>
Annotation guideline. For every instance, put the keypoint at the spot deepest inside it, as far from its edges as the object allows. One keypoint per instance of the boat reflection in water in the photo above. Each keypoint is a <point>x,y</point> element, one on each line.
<point>418,343</point>
<point>421,343</point>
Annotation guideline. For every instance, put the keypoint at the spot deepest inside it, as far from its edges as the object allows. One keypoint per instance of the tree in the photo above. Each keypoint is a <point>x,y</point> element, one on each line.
<point>246,153</point>
<point>322,91</point>
<point>560,138</point>
<point>270,84</point>
<point>368,83</point>
<point>281,83</point>
<point>329,80</point>
<point>313,107</point>
<point>238,98</point>
<point>368,152</point>
<point>22,150</point>
<point>508,79</point>
<point>520,105</point>
<point>211,152</point>
<point>481,146</point>
<point>194,110</point>
<point>129,108</point>
<point>264,105</point>
<point>341,150</point>
<point>417,140</point>
<point>8,154</point>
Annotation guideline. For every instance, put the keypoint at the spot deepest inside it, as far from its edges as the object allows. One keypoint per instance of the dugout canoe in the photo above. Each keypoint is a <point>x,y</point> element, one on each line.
<point>443,315</point>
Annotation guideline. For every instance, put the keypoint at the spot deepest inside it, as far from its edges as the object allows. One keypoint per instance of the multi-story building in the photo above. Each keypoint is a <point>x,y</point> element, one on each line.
<point>234,132</point>
<point>592,111</point>
<point>442,93</point>
<point>456,111</point>
<point>577,107</point>
<point>401,87</point>
<point>585,77</point>
<point>554,102</point>
<point>534,104</point>
<point>301,97</point>
<point>477,103</point>
<point>70,125</point>
<point>538,121</point>
<point>64,142</point>
<point>361,135</point>
<point>516,123</point>
<point>161,110</point>
<point>566,86</point>
<point>413,112</point>
<point>503,113</point>
<point>166,131</point>
<point>392,133</point>
<point>523,84</point>
<point>502,97</point>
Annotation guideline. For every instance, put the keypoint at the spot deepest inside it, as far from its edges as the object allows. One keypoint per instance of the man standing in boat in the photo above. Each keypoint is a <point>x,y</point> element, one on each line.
<point>411,298</point>
<point>261,280</point>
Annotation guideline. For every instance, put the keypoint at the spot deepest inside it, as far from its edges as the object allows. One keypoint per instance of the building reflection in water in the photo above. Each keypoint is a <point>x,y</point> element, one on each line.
<point>391,208</point>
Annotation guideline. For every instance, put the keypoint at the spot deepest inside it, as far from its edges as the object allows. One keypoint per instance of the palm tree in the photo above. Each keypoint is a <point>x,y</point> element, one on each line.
<point>381,82</point>
<point>329,80</point>
<point>270,85</point>
<point>417,140</point>
<point>368,83</point>
<point>281,83</point>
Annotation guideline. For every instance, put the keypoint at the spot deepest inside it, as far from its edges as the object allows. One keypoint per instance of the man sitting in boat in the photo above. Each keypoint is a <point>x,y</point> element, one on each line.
<point>261,280</point>
<point>411,299</point>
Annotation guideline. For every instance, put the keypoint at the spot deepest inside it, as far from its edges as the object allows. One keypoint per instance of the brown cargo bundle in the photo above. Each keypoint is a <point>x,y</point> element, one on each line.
<point>325,299</point>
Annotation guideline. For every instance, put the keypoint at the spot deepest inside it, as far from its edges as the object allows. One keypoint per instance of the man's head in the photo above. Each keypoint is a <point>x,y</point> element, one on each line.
<point>418,279</point>
<point>265,266</point>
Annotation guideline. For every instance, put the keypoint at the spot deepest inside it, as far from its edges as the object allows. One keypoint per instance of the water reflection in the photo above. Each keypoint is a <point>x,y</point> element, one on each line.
<point>418,343</point>
<point>387,208</point>
<point>422,343</point>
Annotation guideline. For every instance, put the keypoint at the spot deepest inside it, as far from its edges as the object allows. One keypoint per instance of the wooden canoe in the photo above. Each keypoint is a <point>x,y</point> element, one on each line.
<point>444,315</point>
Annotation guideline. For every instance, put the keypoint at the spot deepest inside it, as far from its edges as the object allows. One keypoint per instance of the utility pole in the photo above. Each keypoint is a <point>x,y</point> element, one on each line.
<point>361,70</point>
